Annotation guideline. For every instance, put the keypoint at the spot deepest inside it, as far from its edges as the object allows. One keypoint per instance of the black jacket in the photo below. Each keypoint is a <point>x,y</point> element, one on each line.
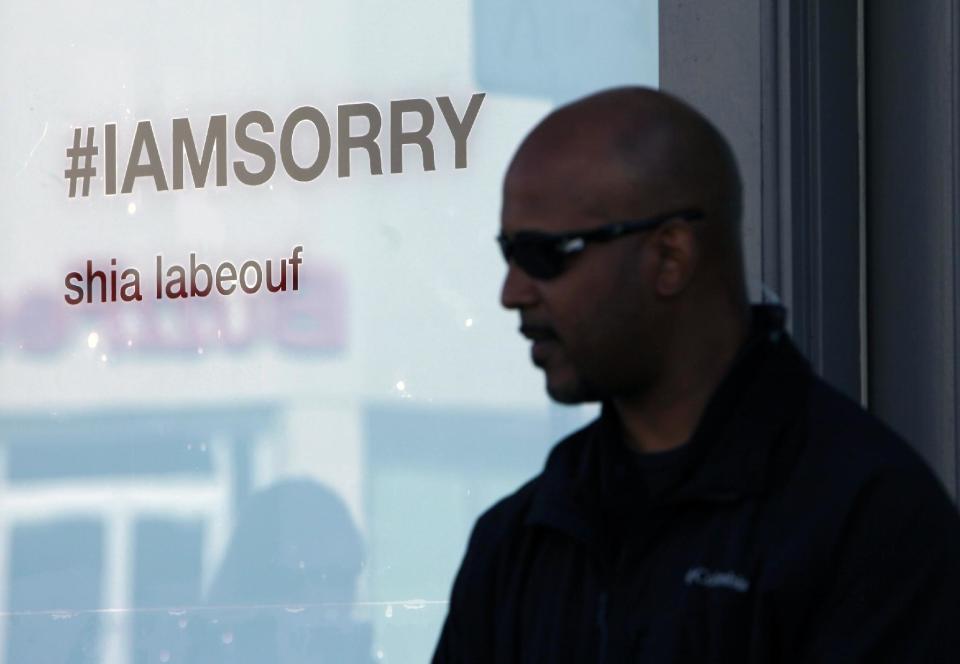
<point>792,527</point>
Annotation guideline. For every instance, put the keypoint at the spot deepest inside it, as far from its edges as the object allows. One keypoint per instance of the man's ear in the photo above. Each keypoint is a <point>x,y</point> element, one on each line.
<point>678,252</point>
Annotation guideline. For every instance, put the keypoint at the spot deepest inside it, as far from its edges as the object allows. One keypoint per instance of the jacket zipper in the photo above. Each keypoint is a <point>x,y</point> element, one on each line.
<point>610,573</point>
<point>602,625</point>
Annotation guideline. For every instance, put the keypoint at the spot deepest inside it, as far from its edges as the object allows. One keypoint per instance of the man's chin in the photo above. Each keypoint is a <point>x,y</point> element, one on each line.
<point>570,392</point>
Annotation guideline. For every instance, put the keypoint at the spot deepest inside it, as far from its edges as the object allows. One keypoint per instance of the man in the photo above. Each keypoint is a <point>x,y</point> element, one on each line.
<point>727,505</point>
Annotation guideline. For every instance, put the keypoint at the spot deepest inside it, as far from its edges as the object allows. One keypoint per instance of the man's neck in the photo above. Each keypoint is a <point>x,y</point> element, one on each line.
<point>666,417</point>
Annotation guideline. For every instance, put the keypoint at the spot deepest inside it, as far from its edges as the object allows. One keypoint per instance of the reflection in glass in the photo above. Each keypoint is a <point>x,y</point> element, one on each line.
<point>285,478</point>
<point>286,588</point>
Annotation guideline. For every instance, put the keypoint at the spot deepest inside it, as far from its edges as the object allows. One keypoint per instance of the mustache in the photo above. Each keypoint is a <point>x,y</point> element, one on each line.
<point>537,331</point>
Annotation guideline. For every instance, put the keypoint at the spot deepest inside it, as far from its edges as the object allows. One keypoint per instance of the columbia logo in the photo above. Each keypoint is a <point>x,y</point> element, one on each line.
<point>701,576</point>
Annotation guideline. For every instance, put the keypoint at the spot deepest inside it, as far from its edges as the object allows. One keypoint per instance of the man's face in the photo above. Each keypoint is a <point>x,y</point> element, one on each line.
<point>596,327</point>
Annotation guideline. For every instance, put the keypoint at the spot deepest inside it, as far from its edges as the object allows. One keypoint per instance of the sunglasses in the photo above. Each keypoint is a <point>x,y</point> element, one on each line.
<point>545,255</point>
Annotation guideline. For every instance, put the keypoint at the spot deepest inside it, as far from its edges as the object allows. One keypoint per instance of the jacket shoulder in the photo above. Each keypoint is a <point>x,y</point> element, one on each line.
<point>501,523</point>
<point>853,440</point>
<point>859,464</point>
<point>889,535</point>
<point>504,517</point>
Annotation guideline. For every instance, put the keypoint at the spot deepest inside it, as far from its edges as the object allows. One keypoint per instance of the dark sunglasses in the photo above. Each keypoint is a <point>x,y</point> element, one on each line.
<point>545,255</point>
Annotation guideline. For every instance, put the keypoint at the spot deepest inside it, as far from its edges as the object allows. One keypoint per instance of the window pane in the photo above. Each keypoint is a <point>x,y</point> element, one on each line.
<point>266,476</point>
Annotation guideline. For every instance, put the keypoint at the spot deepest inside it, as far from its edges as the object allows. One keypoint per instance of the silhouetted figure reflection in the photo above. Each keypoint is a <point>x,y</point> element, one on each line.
<point>284,592</point>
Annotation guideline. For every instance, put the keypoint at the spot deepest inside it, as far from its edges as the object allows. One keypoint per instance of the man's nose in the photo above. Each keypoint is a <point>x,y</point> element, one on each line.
<point>519,289</point>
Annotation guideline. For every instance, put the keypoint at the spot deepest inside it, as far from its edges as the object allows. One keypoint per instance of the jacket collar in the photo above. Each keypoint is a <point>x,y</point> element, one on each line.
<point>592,472</point>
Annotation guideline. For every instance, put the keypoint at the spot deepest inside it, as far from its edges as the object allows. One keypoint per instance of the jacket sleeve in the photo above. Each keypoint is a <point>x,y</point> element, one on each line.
<point>464,638</point>
<point>450,647</point>
<point>895,596</point>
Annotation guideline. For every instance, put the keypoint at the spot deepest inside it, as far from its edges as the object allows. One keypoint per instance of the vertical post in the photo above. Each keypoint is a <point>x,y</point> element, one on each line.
<point>780,79</point>
<point>912,63</point>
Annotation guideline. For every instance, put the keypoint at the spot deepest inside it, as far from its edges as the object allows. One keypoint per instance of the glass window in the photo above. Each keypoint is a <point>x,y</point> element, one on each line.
<point>276,452</point>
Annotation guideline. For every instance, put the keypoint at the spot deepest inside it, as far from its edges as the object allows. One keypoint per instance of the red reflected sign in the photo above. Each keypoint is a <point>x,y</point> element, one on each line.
<point>311,319</point>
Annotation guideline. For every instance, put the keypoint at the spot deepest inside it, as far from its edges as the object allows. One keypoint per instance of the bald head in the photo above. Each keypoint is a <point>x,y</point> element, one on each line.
<point>645,151</point>
<point>642,315</point>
